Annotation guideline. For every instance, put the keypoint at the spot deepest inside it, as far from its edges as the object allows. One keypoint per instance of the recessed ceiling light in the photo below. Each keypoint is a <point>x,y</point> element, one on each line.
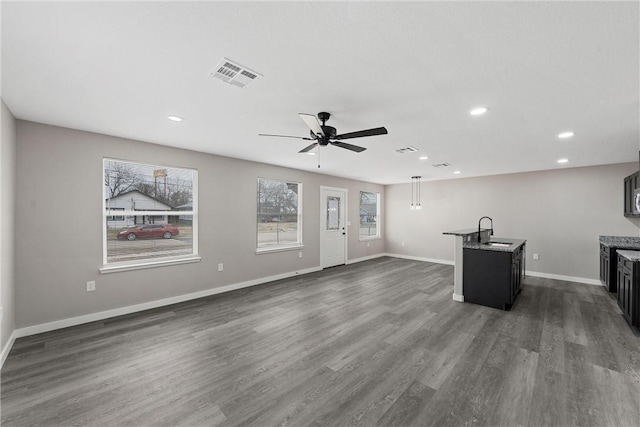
<point>567,134</point>
<point>478,111</point>
<point>563,160</point>
<point>456,172</point>
<point>311,153</point>
<point>423,157</point>
<point>175,118</point>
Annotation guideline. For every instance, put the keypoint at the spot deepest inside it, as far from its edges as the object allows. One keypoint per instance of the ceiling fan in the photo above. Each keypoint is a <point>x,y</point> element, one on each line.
<point>324,135</point>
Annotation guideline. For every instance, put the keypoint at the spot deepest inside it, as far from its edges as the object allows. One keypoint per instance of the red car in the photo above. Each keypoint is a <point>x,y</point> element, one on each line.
<point>165,231</point>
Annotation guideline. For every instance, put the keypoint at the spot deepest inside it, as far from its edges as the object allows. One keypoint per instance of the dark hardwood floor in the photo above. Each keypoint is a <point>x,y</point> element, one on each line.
<point>380,342</point>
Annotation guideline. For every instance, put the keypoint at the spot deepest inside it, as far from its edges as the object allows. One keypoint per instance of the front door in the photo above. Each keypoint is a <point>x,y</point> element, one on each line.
<point>333,232</point>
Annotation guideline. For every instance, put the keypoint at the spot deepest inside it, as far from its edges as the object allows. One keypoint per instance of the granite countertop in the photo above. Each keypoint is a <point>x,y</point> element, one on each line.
<point>515,244</point>
<point>630,255</point>
<point>623,242</point>
<point>465,231</point>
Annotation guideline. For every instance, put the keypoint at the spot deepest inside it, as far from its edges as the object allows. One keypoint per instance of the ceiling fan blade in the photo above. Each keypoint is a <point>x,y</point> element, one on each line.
<point>361,133</point>
<point>286,136</point>
<point>348,146</point>
<point>313,123</point>
<point>309,148</point>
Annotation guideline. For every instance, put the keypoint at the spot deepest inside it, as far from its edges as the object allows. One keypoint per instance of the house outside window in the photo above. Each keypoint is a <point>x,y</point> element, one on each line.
<point>279,215</point>
<point>149,215</point>
<point>369,215</point>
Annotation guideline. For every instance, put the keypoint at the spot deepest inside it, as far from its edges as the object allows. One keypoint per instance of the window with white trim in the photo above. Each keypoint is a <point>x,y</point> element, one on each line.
<point>369,215</point>
<point>279,215</point>
<point>149,214</point>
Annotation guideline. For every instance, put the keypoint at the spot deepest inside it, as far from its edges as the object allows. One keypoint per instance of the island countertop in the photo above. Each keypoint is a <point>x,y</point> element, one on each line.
<point>514,244</point>
<point>464,232</point>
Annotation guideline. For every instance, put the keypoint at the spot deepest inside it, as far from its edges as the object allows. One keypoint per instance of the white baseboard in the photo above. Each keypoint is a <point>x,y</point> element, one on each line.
<point>417,258</point>
<point>459,298</point>
<point>79,320</point>
<point>7,348</point>
<point>528,273</point>
<point>366,258</point>
<point>565,278</point>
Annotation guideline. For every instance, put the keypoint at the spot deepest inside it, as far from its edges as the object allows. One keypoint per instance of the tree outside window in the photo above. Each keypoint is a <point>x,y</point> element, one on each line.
<point>279,214</point>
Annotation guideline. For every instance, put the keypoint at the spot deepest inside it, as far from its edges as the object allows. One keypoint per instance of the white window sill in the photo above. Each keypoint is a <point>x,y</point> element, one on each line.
<point>260,251</point>
<point>115,268</point>
<point>365,238</point>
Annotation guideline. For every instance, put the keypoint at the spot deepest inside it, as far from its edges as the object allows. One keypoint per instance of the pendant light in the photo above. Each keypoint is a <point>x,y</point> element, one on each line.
<point>415,193</point>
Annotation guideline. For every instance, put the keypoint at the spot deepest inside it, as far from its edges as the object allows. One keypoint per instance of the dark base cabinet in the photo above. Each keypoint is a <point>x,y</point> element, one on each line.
<point>608,267</point>
<point>493,278</point>
<point>628,296</point>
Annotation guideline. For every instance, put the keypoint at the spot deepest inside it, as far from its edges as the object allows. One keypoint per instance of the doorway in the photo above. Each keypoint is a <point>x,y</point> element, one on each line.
<point>333,231</point>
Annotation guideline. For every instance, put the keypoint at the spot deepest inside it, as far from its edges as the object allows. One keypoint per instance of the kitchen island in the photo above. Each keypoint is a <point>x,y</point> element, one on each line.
<point>486,251</point>
<point>493,272</point>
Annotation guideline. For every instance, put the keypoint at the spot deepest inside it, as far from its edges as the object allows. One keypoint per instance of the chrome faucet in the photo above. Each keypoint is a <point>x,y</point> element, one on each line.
<point>490,232</point>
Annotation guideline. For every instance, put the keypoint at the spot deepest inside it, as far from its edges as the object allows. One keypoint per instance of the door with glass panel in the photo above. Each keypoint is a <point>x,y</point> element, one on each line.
<point>333,231</point>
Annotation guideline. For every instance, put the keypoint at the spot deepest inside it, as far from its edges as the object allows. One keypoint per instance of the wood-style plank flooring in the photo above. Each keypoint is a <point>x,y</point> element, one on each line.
<point>380,342</point>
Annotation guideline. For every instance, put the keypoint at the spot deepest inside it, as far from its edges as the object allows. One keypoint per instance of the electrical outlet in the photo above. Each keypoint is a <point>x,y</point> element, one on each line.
<point>402,243</point>
<point>91,286</point>
<point>368,244</point>
<point>536,256</point>
<point>220,267</point>
<point>300,254</point>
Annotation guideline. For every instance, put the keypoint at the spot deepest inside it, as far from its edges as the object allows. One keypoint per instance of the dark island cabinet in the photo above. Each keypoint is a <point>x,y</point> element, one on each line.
<point>517,272</point>
<point>628,296</point>
<point>493,278</point>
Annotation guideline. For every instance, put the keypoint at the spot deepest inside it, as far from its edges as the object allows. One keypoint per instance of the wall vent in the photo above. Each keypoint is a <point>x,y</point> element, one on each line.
<point>234,73</point>
<point>406,150</point>
<point>441,165</point>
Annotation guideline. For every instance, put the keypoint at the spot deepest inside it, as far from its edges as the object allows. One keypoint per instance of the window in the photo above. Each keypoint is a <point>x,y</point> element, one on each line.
<point>279,224</point>
<point>149,215</point>
<point>116,217</point>
<point>369,214</point>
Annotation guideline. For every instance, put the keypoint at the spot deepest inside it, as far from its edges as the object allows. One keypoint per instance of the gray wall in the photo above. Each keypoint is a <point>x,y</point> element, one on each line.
<point>560,212</point>
<point>7,197</point>
<point>58,224</point>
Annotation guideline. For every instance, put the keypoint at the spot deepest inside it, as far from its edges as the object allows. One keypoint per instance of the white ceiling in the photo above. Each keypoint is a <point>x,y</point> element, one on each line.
<point>416,68</point>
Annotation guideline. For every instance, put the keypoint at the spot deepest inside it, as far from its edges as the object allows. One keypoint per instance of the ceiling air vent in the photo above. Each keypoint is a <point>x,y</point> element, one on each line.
<point>234,73</point>
<point>441,165</point>
<point>406,150</point>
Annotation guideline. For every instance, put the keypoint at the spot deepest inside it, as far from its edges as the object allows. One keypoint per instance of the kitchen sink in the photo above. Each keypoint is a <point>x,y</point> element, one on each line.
<point>498,244</point>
